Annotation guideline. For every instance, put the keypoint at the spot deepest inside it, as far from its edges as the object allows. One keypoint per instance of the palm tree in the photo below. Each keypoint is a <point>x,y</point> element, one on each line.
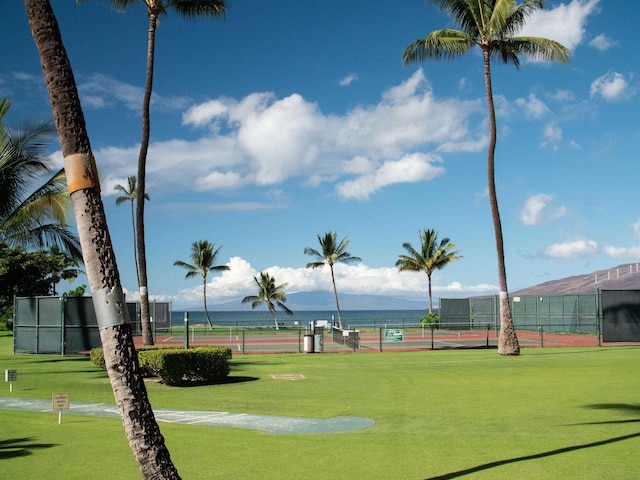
<point>156,8</point>
<point>36,218</point>
<point>432,256</point>
<point>129,195</point>
<point>271,294</point>
<point>330,253</point>
<point>492,25</point>
<point>203,255</point>
<point>121,361</point>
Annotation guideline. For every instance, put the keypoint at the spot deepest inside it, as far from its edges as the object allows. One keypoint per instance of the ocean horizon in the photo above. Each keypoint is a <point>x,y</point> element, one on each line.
<point>350,318</point>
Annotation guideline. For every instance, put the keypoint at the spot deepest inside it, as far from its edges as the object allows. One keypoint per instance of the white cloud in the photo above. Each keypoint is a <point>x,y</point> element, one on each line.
<point>623,253</point>
<point>538,209</point>
<point>636,227</point>
<point>532,107</point>
<point>572,249</point>
<point>552,135</point>
<point>602,43</point>
<point>564,23</point>
<point>263,140</point>
<point>102,91</point>
<point>237,282</point>
<point>410,168</point>
<point>348,80</point>
<point>611,86</point>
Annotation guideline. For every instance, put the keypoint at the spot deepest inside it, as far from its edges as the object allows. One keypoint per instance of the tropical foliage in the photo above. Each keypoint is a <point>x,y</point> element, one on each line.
<point>37,273</point>
<point>32,215</point>
<point>493,26</point>
<point>271,294</point>
<point>331,252</point>
<point>430,257</point>
<point>203,260</point>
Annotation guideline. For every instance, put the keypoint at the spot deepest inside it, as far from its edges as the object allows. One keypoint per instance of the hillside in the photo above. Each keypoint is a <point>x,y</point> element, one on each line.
<point>622,277</point>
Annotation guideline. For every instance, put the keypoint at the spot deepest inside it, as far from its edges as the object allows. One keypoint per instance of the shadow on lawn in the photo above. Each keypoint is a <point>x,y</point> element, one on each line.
<point>550,453</point>
<point>20,447</point>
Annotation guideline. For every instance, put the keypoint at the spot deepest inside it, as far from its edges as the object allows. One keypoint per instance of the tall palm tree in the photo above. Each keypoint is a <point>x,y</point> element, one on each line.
<point>155,8</point>
<point>203,255</point>
<point>32,218</point>
<point>432,256</point>
<point>121,361</point>
<point>492,25</point>
<point>271,294</point>
<point>330,253</point>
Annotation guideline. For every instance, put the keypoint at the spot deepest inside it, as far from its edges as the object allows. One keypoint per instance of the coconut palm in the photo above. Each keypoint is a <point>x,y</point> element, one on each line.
<point>127,382</point>
<point>330,253</point>
<point>203,255</point>
<point>32,215</point>
<point>493,26</point>
<point>156,8</point>
<point>271,294</point>
<point>432,256</point>
<point>129,194</point>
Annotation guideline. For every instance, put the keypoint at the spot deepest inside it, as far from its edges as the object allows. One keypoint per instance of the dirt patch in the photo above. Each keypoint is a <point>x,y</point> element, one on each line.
<point>288,376</point>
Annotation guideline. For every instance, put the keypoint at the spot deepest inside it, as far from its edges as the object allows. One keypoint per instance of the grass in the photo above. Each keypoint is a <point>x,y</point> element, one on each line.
<point>550,413</point>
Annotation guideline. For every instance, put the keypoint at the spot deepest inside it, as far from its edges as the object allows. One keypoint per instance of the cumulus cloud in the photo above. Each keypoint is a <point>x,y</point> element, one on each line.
<point>572,249</point>
<point>602,43</point>
<point>552,136</point>
<point>631,254</point>
<point>611,86</point>
<point>539,209</point>
<point>233,284</point>
<point>565,23</point>
<point>263,140</point>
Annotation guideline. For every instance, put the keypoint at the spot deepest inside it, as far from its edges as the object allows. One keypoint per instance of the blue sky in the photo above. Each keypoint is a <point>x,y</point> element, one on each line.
<point>291,118</point>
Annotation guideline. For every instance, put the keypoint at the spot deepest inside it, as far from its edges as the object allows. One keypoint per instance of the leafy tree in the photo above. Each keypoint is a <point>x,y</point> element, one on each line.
<point>430,320</point>
<point>491,25</point>
<point>155,8</point>
<point>271,294</point>
<point>130,194</point>
<point>203,257</point>
<point>432,256</point>
<point>130,393</point>
<point>32,217</point>
<point>330,253</point>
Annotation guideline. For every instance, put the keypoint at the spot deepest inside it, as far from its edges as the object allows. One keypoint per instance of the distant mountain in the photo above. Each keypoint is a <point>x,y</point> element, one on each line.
<point>323,300</point>
<point>622,277</point>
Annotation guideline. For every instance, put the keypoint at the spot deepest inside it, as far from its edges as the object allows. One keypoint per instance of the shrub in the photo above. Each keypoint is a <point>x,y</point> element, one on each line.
<point>177,366</point>
<point>431,320</point>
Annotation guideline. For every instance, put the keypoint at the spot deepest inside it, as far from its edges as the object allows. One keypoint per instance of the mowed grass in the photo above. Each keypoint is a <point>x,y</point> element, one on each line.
<point>550,413</point>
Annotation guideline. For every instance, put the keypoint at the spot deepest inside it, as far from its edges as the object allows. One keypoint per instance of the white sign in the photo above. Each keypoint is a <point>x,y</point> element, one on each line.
<point>10,375</point>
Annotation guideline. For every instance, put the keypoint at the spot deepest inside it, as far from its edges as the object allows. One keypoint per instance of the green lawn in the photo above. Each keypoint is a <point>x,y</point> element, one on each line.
<point>548,414</point>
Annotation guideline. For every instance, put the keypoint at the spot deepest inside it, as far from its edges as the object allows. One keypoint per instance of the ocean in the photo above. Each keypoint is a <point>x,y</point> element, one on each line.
<point>350,318</point>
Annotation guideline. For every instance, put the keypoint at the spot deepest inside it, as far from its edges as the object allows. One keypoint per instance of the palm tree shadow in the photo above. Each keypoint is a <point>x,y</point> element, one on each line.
<point>20,447</point>
<point>550,453</point>
<point>622,407</point>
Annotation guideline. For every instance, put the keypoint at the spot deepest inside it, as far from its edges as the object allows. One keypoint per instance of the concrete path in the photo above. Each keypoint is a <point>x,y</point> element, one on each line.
<point>266,423</point>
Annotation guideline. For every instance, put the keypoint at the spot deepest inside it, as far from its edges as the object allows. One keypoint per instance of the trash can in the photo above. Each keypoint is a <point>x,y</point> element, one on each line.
<point>308,344</point>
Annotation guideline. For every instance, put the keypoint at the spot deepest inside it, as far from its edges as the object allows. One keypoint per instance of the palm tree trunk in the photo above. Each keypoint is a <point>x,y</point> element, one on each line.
<point>204,294</point>
<point>335,293</point>
<point>145,318</point>
<point>141,428</point>
<point>272,309</point>
<point>508,340</point>
<point>430,298</point>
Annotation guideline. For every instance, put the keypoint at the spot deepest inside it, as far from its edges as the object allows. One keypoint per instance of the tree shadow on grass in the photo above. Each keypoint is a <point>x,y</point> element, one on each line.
<point>20,447</point>
<point>535,456</point>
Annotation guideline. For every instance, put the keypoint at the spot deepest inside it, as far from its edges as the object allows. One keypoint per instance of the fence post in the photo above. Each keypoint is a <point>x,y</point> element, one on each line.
<point>186,330</point>
<point>380,336</point>
<point>541,336</point>
<point>432,336</point>
<point>488,328</point>
<point>243,342</point>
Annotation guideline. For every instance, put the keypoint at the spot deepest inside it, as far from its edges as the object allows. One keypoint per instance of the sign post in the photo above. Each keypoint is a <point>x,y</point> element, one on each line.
<point>10,376</point>
<point>60,402</point>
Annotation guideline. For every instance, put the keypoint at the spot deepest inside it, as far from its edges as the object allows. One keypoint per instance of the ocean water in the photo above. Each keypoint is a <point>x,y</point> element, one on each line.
<point>350,318</point>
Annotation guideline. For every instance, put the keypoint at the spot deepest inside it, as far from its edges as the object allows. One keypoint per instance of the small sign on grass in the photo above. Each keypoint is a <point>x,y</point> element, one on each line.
<point>60,402</point>
<point>10,376</point>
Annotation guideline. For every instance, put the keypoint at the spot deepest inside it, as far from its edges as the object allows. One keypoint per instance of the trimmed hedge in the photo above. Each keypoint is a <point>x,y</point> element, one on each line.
<point>177,366</point>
